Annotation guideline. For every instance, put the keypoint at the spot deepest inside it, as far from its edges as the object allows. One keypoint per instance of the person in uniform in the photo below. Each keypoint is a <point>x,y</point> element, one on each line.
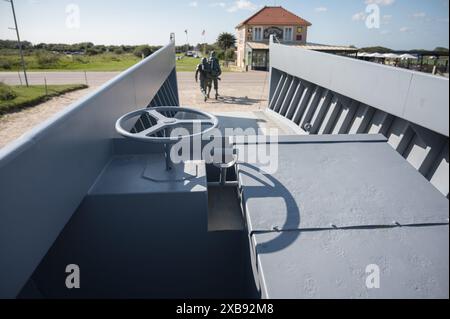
<point>204,70</point>
<point>215,72</point>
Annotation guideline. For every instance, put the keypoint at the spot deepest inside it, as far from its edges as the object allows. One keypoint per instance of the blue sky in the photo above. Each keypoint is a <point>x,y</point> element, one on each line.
<point>405,24</point>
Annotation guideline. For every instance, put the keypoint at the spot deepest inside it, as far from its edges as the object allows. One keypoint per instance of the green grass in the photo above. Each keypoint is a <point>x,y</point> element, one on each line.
<point>103,62</point>
<point>34,95</point>
<point>187,64</point>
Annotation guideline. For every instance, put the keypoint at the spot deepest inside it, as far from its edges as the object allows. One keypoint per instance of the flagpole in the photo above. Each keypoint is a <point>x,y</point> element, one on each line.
<point>187,40</point>
<point>204,42</point>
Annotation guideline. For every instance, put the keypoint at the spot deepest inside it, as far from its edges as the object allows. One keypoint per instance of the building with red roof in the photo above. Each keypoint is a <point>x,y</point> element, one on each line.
<point>253,35</point>
<point>288,28</point>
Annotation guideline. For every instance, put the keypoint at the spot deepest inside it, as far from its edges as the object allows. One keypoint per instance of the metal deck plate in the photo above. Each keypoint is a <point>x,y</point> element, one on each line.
<point>339,183</point>
<point>413,263</point>
<point>125,174</point>
<point>156,171</point>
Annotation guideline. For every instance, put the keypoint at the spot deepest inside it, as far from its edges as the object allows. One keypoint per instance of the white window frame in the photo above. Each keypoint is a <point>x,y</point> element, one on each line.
<point>291,38</point>
<point>261,34</point>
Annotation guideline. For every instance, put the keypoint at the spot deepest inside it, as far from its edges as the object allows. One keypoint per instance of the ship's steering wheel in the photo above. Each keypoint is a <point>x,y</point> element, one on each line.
<point>162,120</point>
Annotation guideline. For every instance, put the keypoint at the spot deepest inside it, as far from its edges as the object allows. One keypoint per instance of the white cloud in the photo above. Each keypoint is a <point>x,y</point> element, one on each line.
<point>193,4</point>
<point>242,5</point>
<point>385,32</point>
<point>360,16</point>
<point>380,2</point>
<point>321,9</point>
<point>386,19</point>
<point>419,15</point>
<point>405,29</point>
<point>218,4</point>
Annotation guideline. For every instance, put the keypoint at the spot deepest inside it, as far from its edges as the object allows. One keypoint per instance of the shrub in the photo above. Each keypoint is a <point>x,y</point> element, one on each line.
<point>230,54</point>
<point>5,65</point>
<point>93,51</point>
<point>143,50</point>
<point>46,59</point>
<point>119,51</point>
<point>6,92</point>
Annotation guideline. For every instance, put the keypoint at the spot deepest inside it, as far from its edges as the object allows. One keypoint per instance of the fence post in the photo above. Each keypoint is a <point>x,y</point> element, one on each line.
<point>20,78</point>
<point>46,88</point>
<point>85,77</point>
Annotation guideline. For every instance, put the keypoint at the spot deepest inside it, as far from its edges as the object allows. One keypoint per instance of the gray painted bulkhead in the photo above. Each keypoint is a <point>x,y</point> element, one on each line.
<point>64,156</point>
<point>328,94</point>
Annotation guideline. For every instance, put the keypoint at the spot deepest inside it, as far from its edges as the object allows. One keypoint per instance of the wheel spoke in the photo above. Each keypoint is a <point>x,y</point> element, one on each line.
<point>156,115</point>
<point>152,130</point>
<point>204,121</point>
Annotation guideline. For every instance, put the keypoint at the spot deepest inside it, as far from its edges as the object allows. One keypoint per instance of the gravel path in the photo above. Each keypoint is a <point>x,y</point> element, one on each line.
<point>14,125</point>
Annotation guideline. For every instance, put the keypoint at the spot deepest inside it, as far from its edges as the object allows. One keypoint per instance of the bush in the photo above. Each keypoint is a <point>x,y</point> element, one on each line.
<point>5,65</point>
<point>46,59</point>
<point>230,54</point>
<point>144,50</point>
<point>93,51</point>
<point>6,92</point>
<point>220,54</point>
<point>119,51</point>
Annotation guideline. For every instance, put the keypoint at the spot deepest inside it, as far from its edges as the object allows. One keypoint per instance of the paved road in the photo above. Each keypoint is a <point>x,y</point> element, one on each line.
<point>240,91</point>
<point>93,78</point>
<point>243,94</point>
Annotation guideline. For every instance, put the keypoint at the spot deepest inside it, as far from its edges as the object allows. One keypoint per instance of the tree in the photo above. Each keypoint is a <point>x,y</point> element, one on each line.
<point>376,50</point>
<point>226,41</point>
<point>143,50</point>
<point>441,49</point>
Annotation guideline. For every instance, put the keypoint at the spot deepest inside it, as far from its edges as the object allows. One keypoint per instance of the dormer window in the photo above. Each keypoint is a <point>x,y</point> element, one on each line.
<point>288,34</point>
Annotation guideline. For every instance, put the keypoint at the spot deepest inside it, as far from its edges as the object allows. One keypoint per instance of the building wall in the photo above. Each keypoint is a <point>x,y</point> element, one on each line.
<point>245,35</point>
<point>301,31</point>
<point>240,53</point>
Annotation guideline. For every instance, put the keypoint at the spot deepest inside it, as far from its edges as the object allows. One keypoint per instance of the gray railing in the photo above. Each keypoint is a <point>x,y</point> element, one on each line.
<point>328,94</point>
<point>45,175</point>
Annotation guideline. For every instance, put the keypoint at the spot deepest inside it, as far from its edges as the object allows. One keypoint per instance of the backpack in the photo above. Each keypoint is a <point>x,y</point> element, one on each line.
<point>206,68</point>
<point>215,68</point>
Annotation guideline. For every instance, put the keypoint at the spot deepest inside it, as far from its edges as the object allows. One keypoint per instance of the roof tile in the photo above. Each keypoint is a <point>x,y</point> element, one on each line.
<point>274,16</point>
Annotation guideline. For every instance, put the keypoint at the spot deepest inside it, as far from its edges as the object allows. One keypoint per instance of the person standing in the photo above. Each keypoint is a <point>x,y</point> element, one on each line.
<point>204,70</point>
<point>216,71</point>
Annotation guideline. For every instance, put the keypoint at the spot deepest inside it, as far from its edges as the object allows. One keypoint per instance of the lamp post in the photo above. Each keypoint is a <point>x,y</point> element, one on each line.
<point>18,41</point>
<point>187,40</point>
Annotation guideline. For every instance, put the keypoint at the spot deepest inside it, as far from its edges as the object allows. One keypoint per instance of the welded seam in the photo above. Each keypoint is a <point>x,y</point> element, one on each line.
<point>365,227</point>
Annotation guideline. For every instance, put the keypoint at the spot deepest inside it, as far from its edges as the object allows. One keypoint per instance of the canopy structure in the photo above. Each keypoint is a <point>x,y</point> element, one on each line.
<point>391,56</point>
<point>379,55</point>
<point>407,56</point>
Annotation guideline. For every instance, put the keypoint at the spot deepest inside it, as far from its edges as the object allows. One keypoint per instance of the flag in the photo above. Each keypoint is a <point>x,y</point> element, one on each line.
<point>185,31</point>
<point>204,33</point>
